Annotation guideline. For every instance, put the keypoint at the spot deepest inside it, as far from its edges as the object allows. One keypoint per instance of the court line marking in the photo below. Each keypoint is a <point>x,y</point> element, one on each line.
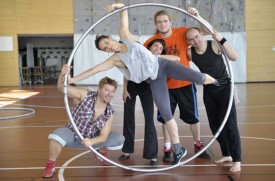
<point>100,167</point>
<point>117,125</point>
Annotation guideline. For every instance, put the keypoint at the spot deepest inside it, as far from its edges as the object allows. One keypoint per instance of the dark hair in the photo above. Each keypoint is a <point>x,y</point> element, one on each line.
<point>98,38</point>
<point>107,80</point>
<point>192,28</point>
<point>161,41</point>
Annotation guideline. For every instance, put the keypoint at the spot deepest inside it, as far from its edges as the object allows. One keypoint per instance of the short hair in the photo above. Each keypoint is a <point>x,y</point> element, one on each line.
<point>98,38</point>
<point>107,80</point>
<point>192,28</point>
<point>161,41</point>
<point>162,12</point>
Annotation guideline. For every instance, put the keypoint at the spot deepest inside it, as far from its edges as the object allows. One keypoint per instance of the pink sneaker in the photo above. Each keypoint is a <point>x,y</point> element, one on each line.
<point>49,169</point>
<point>103,162</point>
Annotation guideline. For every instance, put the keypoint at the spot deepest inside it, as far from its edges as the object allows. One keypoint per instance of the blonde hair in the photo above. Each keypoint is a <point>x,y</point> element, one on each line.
<point>107,80</point>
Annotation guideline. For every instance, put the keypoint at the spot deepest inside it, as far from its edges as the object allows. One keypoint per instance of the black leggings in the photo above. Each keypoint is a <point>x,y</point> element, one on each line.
<point>150,149</point>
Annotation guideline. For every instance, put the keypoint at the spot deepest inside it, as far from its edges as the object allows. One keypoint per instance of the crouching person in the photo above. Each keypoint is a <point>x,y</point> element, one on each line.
<point>93,116</point>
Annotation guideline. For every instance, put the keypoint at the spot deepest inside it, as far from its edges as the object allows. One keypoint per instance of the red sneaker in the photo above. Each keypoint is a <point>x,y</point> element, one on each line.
<point>49,169</point>
<point>103,162</point>
<point>199,146</point>
<point>167,155</point>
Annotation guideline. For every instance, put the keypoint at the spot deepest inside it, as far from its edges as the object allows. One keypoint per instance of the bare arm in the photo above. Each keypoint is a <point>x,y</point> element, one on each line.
<point>125,92</point>
<point>76,93</point>
<point>171,57</point>
<point>189,54</point>
<point>230,51</point>
<point>124,31</point>
<point>106,65</point>
<point>102,137</point>
<point>195,12</point>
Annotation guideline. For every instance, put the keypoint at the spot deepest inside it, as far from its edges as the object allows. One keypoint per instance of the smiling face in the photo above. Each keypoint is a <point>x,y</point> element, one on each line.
<point>106,92</point>
<point>163,24</point>
<point>108,45</point>
<point>156,48</point>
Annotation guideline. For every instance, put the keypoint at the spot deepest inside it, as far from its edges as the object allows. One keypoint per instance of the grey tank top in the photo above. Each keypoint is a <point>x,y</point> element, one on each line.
<point>140,63</point>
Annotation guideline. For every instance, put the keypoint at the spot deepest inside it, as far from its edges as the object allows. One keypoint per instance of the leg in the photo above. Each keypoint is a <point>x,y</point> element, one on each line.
<point>58,139</point>
<point>150,149</point>
<point>187,101</point>
<point>166,135</point>
<point>55,149</point>
<point>211,101</point>
<point>114,142</point>
<point>129,120</point>
<point>180,72</point>
<point>233,135</point>
<point>161,98</point>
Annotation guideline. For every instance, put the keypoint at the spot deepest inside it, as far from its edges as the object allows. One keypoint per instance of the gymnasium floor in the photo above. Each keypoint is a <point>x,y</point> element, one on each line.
<point>24,143</point>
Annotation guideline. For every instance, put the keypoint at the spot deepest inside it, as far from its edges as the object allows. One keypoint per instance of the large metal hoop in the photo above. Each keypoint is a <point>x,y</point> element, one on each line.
<point>208,27</point>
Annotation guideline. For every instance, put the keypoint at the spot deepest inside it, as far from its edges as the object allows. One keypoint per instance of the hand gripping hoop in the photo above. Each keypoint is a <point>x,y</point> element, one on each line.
<point>209,28</point>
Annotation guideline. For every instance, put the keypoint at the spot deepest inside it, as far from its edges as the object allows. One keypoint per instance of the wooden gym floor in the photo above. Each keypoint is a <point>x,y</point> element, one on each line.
<point>24,143</point>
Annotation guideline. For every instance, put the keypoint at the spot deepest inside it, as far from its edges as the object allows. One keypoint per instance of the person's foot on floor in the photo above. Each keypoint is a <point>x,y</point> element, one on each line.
<point>198,147</point>
<point>224,159</point>
<point>236,167</point>
<point>153,162</point>
<point>124,156</point>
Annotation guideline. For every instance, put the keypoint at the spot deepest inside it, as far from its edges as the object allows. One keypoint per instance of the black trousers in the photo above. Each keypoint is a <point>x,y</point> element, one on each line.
<point>216,101</point>
<point>143,90</point>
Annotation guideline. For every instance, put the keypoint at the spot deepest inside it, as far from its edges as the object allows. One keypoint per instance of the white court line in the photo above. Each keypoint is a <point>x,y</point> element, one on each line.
<point>61,171</point>
<point>100,167</point>
<point>64,166</point>
<point>141,166</point>
<point>121,124</point>
<point>30,105</point>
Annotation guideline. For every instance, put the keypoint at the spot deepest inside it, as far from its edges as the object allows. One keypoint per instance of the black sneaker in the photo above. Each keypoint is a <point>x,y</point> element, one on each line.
<point>153,162</point>
<point>167,156</point>
<point>199,146</point>
<point>179,156</point>
<point>124,157</point>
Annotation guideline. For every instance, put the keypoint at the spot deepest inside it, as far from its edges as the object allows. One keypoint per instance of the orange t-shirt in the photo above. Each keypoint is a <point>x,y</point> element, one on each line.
<point>175,45</point>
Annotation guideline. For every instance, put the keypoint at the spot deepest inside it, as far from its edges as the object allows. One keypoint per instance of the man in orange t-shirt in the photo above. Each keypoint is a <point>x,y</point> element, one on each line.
<point>181,93</point>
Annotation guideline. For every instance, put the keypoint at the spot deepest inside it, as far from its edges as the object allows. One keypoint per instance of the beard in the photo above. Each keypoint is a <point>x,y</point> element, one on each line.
<point>165,32</point>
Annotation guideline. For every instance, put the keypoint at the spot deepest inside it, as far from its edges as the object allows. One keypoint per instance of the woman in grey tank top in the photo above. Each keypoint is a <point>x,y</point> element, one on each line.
<point>137,64</point>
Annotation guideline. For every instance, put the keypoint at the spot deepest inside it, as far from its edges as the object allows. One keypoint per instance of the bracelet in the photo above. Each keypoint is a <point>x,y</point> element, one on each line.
<point>223,41</point>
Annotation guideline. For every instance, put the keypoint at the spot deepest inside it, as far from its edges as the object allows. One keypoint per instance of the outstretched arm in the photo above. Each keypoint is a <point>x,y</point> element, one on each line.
<point>171,57</point>
<point>124,31</point>
<point>230,51</point>
<point>106,65</point>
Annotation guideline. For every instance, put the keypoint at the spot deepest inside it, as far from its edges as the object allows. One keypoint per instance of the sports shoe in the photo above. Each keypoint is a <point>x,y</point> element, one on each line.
<point>103,162</point>
<point>124,157</point>
<point>199,146</point>
<point>49,169</point>
<point>167,155</point>
<point>153,162</point>
<point>179,156</point>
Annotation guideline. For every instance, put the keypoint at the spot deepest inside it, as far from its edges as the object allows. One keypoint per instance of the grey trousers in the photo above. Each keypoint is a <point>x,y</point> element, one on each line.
<point>159,86</point>
<point>66,138</point>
